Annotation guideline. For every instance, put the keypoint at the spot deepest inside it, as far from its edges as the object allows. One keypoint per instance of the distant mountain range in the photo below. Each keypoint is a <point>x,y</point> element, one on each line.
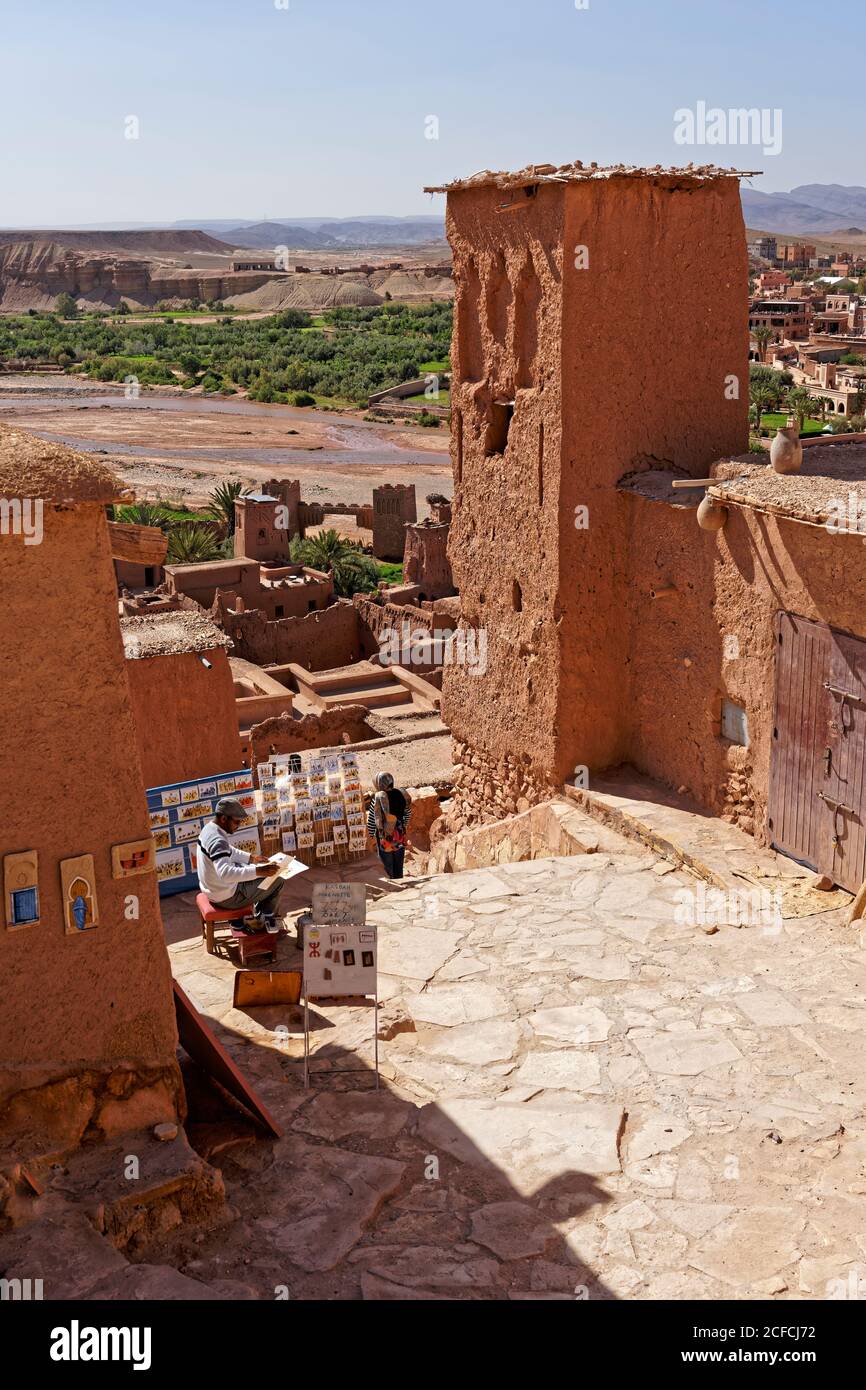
<point>327,233</point>
<point>271,234</point>
<point>310,233</point>
<point>815,209</point>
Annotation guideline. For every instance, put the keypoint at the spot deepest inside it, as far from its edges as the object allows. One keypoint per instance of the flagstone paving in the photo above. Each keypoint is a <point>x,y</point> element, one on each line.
<point>582,1095</point>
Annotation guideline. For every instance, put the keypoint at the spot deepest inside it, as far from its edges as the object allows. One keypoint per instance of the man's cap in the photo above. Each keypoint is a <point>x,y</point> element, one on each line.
<point>227,806</point>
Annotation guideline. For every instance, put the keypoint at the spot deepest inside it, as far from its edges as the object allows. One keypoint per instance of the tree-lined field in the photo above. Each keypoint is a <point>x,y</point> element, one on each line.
<point>339,357</point>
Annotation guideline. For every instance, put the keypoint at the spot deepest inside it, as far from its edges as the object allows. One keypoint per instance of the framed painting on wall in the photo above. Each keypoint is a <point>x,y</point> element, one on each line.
<point>78,894</point>
<point>135,857</point>
<point>21,886</point>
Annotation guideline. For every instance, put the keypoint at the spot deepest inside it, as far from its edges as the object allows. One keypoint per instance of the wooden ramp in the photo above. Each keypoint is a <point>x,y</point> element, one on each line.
<point>205,1048</point>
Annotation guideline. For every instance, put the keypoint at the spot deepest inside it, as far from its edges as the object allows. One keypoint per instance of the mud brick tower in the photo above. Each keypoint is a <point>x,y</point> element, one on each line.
<point>266,521</point>
<point>600,330</point>
<point>425,559</point>
<point>393,507</point>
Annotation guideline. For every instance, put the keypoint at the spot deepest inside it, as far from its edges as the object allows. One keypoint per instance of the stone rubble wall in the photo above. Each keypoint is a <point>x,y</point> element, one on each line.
<point>485,787</point>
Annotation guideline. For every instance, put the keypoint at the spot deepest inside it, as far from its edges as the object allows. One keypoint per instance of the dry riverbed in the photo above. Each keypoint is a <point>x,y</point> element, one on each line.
<point>181,447</point>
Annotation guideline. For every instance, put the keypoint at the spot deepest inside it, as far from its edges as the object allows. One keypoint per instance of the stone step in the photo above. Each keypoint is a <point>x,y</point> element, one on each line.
<point>138,1187</point>
<point>378,696</point>
<point>59,1256</point>
<point>678,829</point>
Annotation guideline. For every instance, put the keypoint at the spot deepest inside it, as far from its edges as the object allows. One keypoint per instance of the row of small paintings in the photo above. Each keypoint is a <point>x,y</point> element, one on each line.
<point>177,861</point>
<point>184,831</point>
<point>206,791</point>
<point>288,764</point>
<point>306,840</point>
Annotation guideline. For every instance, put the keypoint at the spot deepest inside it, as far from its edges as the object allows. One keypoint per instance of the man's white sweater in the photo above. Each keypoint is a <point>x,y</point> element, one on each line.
<point>221,866</point>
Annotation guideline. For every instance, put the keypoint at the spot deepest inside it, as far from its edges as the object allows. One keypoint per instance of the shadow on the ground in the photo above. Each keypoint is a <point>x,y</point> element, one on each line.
<point>370,1194</point>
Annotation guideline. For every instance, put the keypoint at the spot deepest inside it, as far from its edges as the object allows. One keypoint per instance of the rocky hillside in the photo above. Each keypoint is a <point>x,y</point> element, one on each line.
<point>170,244</point>
<point>811,209</point>
<point>34,273</point>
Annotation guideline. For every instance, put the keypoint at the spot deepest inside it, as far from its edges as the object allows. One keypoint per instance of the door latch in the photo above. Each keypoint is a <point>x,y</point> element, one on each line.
<point>838,808</point>
<point>847,700</point>
<point>843,694</point>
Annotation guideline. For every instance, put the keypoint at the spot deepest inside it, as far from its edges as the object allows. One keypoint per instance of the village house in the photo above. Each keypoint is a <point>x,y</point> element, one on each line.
<point>278,590</point>
<point>796,254</point>
<point>787,319</point>
<point>182,693</point>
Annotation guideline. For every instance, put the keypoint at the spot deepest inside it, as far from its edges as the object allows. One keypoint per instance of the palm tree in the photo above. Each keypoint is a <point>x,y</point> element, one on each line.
<point>222,504</point>
<point>800,404</point>
<point>143,514</point>
<point>193,543</point>
<point>762,335</point>
<point>763,399</point>
<point>352,571</point>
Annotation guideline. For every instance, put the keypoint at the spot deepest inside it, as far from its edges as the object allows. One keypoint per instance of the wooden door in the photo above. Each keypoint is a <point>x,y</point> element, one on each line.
<point>817,792</point>
<point>846,740</point>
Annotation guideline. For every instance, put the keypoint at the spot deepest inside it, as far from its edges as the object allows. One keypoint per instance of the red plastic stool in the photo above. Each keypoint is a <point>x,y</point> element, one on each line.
<point>210,915</point>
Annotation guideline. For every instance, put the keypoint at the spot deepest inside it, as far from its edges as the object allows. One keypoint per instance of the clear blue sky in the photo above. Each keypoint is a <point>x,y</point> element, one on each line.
<point>248,110</point>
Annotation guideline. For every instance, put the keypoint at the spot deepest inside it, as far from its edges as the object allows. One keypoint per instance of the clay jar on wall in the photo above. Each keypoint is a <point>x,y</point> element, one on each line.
<point>786,451</point>
<point>711,514</point>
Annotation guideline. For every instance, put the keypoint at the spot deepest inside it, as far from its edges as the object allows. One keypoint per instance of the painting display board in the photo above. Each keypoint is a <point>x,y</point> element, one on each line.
<point>178,814</point>
<point>340,958</point>
<point>312,807</point>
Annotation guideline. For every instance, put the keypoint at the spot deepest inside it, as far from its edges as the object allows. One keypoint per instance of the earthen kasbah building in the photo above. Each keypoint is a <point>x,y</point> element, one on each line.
<point>87,1028</point>
<point>267,521</point>
<point>394,506</point>
<point>425,558</point>
<point>600,330</point>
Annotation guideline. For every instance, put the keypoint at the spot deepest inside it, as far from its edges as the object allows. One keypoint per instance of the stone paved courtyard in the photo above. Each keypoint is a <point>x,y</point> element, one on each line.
<point>582,1096</point>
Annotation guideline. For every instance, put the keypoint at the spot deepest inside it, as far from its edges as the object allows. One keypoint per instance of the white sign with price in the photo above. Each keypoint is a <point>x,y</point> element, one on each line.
<point>345,903</point>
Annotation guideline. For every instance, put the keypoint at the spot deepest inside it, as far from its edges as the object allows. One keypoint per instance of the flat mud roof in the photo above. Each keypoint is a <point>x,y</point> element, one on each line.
<point>163,634</point>
<point>833,476</point>
<point>580,172</point>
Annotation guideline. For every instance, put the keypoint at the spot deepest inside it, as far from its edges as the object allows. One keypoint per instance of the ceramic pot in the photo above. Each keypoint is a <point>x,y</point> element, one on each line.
<point>786,450</point>
<point>711,514</point>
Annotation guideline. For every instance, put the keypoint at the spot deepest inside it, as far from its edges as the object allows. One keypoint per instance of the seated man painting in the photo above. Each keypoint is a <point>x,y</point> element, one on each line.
<point>230,877</point>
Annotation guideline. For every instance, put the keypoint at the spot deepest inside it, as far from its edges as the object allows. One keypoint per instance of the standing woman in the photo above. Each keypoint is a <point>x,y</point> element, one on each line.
<point>387,822</point>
